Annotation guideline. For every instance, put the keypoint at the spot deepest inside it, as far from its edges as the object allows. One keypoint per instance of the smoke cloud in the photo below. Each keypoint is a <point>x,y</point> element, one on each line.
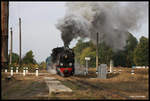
<point>111,20</point>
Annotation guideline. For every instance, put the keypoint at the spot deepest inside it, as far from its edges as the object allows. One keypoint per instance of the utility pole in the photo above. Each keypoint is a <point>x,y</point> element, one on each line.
<point>97,53</point>
<point>4,34</point>
<point>11,42</point>
<point>19,42</point>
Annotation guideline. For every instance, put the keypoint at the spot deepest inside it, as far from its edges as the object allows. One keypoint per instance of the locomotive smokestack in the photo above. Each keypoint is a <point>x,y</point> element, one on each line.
<point>66,46</point>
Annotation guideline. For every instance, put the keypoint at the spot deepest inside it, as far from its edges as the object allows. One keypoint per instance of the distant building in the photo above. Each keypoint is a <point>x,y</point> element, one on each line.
<point>140,66</point>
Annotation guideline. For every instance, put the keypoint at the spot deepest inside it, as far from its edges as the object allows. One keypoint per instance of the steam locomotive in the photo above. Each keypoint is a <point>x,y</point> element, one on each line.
<point>63,60</point>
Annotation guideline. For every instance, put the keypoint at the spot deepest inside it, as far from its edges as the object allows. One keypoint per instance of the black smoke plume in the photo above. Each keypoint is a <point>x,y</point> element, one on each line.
<point>111,20</point>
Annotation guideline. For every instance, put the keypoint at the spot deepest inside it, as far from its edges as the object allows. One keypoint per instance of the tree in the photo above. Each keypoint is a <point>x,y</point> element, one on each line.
<point>88,49</point>
<point>129,49</point>
<point>15,58</point>
<point>119,58</point>
<point>105,54</point>
<point>141,52</point>
<point>29,58</point>
<point>79,47</point>
<point>88,52</point>
<point>42,65</point>
<point>125,57</point>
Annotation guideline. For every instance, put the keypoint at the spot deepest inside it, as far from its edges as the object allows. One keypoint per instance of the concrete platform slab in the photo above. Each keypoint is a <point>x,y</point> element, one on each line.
<point>49,78</point>
<point>60,88</point>
<point>56,86</point>
<point>51,83</point>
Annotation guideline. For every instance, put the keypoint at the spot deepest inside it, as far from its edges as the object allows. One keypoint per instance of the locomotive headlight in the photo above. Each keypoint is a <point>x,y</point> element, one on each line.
<point>61,64</point>
<point>66,56</point>
<point>70,64</point>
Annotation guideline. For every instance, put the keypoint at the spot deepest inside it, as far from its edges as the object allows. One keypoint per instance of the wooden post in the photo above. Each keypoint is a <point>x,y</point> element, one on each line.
<point>97,52</point>
<point>4,34</point>
<point>86,67</point>
<point>19,42</point>
<point>16,70</point>
<point>24,71</point>
<point>11,42</point>
<point>36,72</point>
<point>11,71</point>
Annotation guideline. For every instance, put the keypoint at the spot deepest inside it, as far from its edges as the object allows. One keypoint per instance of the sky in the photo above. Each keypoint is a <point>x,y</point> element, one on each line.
<point>39,33</point>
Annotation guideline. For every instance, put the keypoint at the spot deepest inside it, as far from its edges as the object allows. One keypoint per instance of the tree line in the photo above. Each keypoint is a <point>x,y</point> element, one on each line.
<point>27,61</point>
<point>134,54</point>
